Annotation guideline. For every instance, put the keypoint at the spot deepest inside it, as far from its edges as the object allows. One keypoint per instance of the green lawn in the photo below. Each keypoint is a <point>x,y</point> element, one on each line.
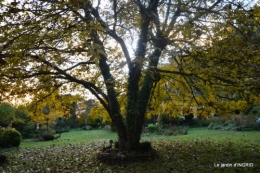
<point>75,138</point>
<point>200,151</point>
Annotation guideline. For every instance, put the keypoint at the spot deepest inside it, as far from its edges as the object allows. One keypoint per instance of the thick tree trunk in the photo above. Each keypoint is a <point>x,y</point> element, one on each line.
<point>113,105</point>
<point>129,134</point>
<point>133,135</point>
<point>137,103</point>
<point>134,126</point>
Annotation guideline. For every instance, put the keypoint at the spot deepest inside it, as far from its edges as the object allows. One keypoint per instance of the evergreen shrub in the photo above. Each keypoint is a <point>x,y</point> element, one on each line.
<point>48,137</point>
<point>10,137</point>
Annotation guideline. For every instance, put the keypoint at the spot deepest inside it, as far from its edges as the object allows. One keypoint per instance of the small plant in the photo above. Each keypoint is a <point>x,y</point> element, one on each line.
<point>151,128</point>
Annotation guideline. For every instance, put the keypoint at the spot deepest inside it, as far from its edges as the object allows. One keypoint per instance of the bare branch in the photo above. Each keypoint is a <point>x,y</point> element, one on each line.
<point>167,15</point>
<point>91,87</point>
<point>115,15</point>
<point>112,34</point>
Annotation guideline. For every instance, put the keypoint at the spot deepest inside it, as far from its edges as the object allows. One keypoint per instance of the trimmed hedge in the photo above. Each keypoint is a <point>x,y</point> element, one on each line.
<point>48,137</point>
<point>9,137</point>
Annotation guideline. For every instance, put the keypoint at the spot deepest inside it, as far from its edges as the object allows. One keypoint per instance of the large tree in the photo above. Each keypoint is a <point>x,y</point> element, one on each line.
<point>110,48</point>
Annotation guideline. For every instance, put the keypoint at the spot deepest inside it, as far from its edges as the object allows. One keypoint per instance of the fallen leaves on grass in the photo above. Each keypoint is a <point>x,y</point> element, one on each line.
<point>174,156</point>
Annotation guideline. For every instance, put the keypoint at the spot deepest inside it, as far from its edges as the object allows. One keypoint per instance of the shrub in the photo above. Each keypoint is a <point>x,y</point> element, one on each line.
<point>183,131</point>
<point>170,132</point>
<point>216,127</point>
<point>249,121</point>
<point>188,120</point>
<point>49,130</point>
<point>86,127</point>
<point>29,131</point>
<point>216,120</point>
<point>48,137</point>
<point>66,129</point>
<point>10,137</point>
<point>237,120</point>
<point>204,122</point>
<point>196,122</point>
<point>145,146</point>
<point>59,129</point>
<point>151,128</point>
<point>190,116</point>
<point>227,122</point>
<point>107,127</point>
<point>173,131</point>
<point>230,126</point>
<point>3,123</point>
<point>212,125</point>
<point>165,119</point>
<point>256,126</point>
<point>18,124</point>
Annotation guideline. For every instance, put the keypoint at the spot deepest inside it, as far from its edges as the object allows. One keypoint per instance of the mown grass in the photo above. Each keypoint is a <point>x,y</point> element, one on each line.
<point>74,137</point>
<point>199,151</point>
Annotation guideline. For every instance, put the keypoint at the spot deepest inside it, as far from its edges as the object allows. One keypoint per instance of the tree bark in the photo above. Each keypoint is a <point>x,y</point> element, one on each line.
<point>113,105</point>
<point>133,114</point>
<point>73,119</point>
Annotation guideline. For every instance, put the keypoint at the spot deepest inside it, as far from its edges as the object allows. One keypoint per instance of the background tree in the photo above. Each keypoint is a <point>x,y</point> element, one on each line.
<point>84,109</point>
<point>58,105</point>
<point>70,103</point>
<point>7,113</point>
<point>13,116</point>
<point>21,117</point>
<point>112,49</point>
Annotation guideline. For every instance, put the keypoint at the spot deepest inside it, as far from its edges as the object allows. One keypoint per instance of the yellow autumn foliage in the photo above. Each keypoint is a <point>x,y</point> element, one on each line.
<point>59,106</point>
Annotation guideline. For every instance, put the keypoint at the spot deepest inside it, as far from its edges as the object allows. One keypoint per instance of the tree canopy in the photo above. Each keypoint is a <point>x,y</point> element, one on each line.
<point>6,112</point>
<point>121,52</point>
<point>42,108</point>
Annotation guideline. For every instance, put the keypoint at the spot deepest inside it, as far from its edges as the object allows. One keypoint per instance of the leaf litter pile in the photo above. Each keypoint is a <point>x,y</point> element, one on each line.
<point>200,155</point>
